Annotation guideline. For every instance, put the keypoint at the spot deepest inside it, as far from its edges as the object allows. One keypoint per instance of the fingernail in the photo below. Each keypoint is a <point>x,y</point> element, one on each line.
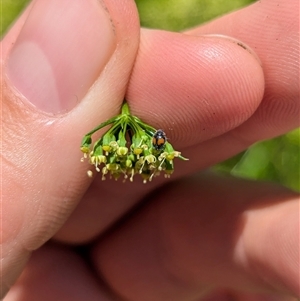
<point>60,52</point>
<point>237,42</point>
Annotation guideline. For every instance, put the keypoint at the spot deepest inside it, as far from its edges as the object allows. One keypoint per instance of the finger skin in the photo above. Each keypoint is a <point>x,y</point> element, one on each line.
<point>44,178</point>
<point>57,273</point>
<point>271,28</point>
<point>232,234</point>
<point>195,88</point>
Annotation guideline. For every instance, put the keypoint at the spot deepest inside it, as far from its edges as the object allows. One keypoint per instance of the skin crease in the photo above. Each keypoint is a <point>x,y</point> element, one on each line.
<point>183,241</point>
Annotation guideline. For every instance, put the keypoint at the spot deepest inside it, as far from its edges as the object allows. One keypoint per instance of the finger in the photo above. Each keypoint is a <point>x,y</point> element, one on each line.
<point>232,234</point>
<point>272,30</point>
<point>55,273</point>
<point>171,100</point>
<point>218,86</point>
<point>257,25</point>
<point>223,295</point>
<point>61,77</point>
<point>195,88</point>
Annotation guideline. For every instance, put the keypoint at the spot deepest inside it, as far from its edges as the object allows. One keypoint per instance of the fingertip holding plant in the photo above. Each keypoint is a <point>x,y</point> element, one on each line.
<point>128,148</point>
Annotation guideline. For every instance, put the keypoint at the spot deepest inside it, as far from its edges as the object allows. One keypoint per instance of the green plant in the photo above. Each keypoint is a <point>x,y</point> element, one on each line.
<point>128,148</point>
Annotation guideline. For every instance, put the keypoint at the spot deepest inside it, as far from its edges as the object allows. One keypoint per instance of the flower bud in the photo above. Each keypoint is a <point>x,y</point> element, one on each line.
<point>122,151</point>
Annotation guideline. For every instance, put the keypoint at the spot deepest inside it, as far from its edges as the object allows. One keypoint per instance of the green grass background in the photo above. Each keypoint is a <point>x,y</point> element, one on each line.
<point>275,160</point>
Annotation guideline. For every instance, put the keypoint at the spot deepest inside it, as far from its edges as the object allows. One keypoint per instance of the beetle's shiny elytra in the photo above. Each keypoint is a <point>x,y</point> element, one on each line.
<point>159,139</point>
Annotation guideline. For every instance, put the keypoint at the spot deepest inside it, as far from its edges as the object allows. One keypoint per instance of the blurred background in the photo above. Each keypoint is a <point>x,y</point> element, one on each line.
<point>274,160</point>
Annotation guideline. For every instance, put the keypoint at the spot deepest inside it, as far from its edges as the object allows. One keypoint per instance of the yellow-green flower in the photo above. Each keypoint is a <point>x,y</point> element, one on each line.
<point>128,148</point>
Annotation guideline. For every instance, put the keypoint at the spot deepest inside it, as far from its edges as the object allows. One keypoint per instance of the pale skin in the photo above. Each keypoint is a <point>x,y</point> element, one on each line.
<point>200,237</point>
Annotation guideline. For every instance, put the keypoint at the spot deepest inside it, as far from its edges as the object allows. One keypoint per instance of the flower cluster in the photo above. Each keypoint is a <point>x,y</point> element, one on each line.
<point>128,148</point>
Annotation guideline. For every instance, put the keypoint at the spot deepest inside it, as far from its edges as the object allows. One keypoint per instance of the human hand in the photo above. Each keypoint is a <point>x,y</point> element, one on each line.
<point>177,244</point>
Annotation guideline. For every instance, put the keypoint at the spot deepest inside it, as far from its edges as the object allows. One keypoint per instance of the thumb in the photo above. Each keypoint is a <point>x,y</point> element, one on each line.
<point>66,72</point>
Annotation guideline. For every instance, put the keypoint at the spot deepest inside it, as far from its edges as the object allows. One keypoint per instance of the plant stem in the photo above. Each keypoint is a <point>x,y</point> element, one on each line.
<point>125,109</point>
